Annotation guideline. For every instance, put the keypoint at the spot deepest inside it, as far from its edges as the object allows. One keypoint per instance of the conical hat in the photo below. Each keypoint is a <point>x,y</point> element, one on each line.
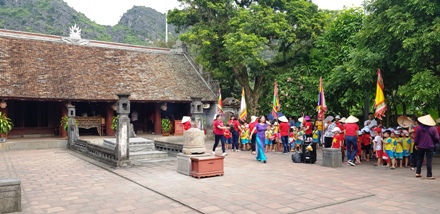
<point>186,119</point>
<point>283,119</point>
<point>438,120</point>
<point>426,120</point>
<point>253,118</point>
<point>301,119</point>
<point>351,119</point>
<point>404,121</point>
<point>342,120</point>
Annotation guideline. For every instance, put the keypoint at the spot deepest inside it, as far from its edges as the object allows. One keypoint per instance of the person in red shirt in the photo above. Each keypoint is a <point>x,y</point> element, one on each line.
<point>233,122</point>
<point>284,132</point>
<point>219,130</point>
<point>186,121</point>
<point>366,143</point>
<point>253,137</point>
<point>351,135</point>
<point>308,127</point>
<point>338,140</point>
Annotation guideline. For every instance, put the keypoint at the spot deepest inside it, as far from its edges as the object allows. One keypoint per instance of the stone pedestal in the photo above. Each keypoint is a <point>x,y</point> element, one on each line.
<point>10,195</point>
<point>184,163</point>
<point>194,141</point>
<point>331,157</point>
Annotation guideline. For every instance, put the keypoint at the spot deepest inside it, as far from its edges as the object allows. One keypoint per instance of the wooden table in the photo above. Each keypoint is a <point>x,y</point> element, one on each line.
<point>89,122</point>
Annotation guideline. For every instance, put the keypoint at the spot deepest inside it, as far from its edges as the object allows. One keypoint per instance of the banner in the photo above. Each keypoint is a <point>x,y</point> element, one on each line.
<point>379,103</point>
<point>243,110</point>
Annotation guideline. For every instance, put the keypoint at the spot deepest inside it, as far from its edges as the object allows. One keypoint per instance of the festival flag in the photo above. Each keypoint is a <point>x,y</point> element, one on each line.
<point>220,103</point>
<point>243,110</point>
<point>322,108</point>
<point>379,103</point>
<point>275,102</point>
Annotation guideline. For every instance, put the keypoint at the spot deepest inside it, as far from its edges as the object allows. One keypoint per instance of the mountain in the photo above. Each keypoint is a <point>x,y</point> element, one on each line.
<point>139,25</point>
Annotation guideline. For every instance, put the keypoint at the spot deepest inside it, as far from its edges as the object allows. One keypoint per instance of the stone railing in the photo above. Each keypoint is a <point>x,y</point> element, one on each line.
<point>172,148</point>
<point>101,153</point>
<point>10,195</point>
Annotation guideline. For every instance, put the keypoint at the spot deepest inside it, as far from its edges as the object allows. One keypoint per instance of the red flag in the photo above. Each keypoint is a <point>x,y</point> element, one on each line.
<point>275,102</point>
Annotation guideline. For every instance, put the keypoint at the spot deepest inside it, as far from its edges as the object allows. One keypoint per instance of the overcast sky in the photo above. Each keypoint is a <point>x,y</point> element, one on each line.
<point>108,12</point>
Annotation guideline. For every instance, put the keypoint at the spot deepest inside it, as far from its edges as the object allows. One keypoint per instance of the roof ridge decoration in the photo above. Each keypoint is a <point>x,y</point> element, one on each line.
<point>75,36</point>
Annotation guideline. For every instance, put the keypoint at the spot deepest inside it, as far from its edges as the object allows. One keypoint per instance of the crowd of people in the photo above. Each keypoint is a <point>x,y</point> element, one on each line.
<point>408,146</point>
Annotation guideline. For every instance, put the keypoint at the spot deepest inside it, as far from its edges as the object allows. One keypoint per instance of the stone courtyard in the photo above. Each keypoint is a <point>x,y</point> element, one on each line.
<point>62,181</point>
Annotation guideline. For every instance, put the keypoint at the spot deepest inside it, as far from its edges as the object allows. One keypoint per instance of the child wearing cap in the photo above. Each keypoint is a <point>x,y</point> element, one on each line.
<point>337,141</point>
<point>378,146</point>
<point>388,143</point>
<point>366,144</point>
<point>399,147</point>
<point>315,135</point>
<point>406,141</point>
<point>299,137</point>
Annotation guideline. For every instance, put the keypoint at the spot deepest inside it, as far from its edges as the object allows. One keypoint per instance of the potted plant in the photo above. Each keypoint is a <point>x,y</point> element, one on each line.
<point>115,123</point>
<point>166,127</point>
<point>5,126</point>
<point>65,123</point>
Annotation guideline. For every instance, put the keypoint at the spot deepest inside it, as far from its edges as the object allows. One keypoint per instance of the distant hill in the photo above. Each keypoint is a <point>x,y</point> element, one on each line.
<point>139,25</point>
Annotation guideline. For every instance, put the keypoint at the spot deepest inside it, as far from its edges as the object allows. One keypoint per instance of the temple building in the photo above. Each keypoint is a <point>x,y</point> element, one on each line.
<point>41,74</point>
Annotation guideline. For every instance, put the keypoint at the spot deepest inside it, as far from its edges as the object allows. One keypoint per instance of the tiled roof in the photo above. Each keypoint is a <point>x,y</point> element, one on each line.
<point>35,66</point>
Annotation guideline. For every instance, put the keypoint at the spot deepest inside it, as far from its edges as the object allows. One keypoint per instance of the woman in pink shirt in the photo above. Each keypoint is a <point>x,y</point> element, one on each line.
<point>351,136</point>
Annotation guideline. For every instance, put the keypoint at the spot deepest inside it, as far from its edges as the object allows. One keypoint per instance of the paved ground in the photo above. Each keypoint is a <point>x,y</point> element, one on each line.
<point>60,181</point>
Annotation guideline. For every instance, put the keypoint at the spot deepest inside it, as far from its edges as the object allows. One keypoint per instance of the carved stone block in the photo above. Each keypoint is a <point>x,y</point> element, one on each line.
<point>194,141</point>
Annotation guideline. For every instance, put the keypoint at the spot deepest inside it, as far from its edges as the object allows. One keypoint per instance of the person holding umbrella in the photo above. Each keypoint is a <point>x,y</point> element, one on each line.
<point>424,142</point>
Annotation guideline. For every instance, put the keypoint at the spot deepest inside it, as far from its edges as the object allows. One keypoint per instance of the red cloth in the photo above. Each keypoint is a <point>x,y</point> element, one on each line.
<point>235,123</point>
<point>308,131</point>
<point>359,151</point>
<point>340,126</point>
<point>227,134</point>
<point>284,129</point>
<point>366,139</point>
<point>351,129</point>
<point>438,129</point>
<point>218,131</point>
<point>337,141</point>
<point>187,125</point>
<point>252,126</point>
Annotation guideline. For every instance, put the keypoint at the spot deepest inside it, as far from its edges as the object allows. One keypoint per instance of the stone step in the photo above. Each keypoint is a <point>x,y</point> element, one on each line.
<point>141,162</point>
<point>150,155</point>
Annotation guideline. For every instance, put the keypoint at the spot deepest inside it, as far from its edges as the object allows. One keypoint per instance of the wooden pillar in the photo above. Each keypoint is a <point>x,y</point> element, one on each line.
<point>109,119</point>
<point>157,119</point>
<point>63,113</point>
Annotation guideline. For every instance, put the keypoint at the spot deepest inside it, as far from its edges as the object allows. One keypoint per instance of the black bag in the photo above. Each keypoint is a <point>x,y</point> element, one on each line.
<point>308,156</point>
<point>296,157</point>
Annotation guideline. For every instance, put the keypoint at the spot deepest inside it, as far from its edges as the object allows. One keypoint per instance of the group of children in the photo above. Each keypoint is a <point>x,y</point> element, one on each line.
<point>273,137</point>
<point>393,147</point>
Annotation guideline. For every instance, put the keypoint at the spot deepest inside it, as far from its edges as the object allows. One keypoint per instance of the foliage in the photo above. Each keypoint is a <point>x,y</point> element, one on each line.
<point>114,123</point>
<point>166,125</point>
<point>249,42</point>
<point>64,122</point>
<point>5,124</point>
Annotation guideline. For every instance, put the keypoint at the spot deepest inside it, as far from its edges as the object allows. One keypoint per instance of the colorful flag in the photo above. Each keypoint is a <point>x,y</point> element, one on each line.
<point>243,110</point>
<point>322,108</point>
<point>379,103</point>
<point>220,103</point>
<point>275,102</point>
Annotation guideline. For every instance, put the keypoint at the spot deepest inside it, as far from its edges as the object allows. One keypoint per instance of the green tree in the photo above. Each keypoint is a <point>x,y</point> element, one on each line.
<point>402,38</point>
<point>252,41</point>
